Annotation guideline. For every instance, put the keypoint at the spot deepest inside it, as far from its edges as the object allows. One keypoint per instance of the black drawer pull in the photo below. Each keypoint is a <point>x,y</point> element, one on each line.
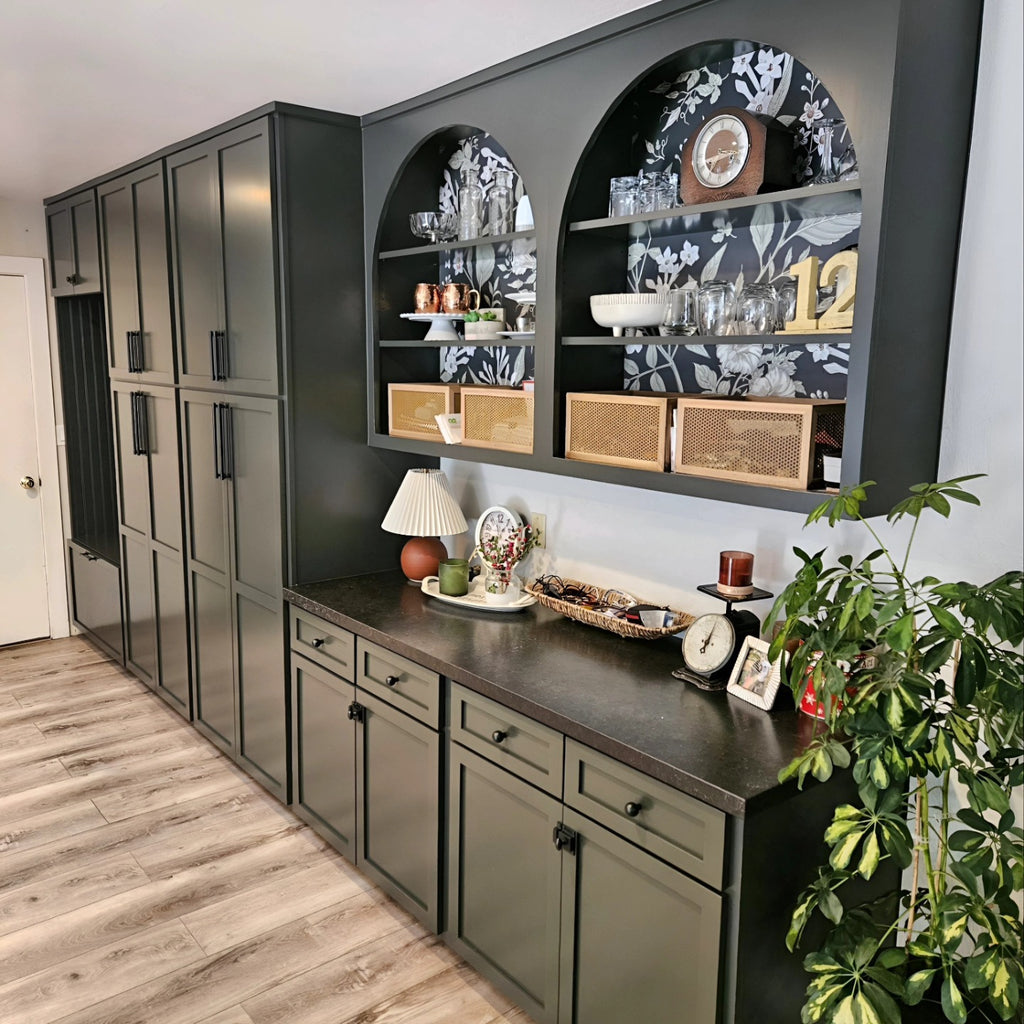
<point>318,641</point>
<point>499,736</point>
<point>391,680</point>
<point>632,809</point>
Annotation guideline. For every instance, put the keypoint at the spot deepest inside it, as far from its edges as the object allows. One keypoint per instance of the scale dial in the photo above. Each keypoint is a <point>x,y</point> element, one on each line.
<point>721,150</point>
<point>710,644</point>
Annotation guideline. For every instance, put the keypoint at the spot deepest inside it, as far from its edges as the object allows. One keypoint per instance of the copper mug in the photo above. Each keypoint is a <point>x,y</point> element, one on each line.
<point>427,298</point>
<point>457,298</point>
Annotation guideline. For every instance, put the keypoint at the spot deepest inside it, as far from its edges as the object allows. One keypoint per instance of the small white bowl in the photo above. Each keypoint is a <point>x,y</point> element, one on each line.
<point>628,309</point>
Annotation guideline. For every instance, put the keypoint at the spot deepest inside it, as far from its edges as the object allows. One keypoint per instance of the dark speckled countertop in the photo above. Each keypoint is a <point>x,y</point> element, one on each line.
<point>613,694</point>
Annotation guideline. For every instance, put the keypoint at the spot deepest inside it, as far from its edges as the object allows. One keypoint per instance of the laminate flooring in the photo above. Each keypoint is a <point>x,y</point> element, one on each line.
<point>145,879</point>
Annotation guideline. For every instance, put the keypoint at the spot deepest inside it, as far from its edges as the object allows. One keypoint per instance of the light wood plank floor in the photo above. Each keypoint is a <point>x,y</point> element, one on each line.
<point>145,879</point>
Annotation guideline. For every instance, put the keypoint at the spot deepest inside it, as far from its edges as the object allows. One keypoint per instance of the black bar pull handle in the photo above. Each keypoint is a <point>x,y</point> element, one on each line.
<point>221,342</point>
<point>214,374</point>
<point>133,406</point>
<point>130,339</point>
<point>216,442</point>
<point>227,438</point>
<point>143,420</point>
<point>140,358</point>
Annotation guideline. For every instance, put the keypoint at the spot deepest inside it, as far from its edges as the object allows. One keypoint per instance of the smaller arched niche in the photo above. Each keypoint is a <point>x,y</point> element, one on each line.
<point>646,130</point>
<point>500,270</point>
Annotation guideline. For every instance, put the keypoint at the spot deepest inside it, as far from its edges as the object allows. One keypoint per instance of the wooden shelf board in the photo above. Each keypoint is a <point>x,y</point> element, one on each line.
<point>783,338</point>
<point>461,343</point>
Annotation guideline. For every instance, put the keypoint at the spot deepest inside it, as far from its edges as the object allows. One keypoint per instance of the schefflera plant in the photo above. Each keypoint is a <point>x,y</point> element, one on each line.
<point>922,685</point>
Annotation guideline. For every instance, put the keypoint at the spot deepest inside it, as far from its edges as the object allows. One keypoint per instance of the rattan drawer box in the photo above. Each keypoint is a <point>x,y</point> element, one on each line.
<point>499,418</point>
<point>775,441</point>
<point>620,428</point>
<point>412,408</point>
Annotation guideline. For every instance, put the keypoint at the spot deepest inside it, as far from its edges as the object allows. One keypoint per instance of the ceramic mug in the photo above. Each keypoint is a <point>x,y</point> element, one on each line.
<point>427,298</point>
<point>457,298</point>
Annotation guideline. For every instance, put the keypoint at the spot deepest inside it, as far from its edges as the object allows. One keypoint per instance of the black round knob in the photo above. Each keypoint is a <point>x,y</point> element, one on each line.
<point>319,641</point>
<point>498,735</point>
<point>70,278</point>
<point>633,809</point>
<point>391,680</point>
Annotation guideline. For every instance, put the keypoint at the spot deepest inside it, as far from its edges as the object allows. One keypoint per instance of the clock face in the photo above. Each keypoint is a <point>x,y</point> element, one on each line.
<point>495,524</point>
<point>721,151</point>
<point>709,644</point>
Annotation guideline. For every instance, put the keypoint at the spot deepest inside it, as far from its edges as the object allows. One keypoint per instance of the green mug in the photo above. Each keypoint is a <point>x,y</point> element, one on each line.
<point>453,576</point>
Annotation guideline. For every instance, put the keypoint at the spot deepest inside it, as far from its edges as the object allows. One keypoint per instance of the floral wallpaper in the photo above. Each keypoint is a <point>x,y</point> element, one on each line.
<point>770,82</point>
<point>497,271</point>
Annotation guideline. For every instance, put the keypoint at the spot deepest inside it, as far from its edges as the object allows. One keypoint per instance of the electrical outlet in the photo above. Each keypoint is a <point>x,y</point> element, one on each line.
<point>540,529</point>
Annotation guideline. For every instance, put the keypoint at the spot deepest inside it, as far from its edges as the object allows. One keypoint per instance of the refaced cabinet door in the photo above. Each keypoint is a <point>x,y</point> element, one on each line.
<point>398,764</point>
<point>154,285</point>
<point>86,243</point>
<point>172,628</point>
<point>205,493</point>
<point>250,285</point>
<point>213,657</point>
<point>119,271</point>
<point>504,877</point>
<point>197,266</point>
<point>132,467</point>
<point>139,620</point>
<point>62,249</point>
<point>640,940</point>
<point>161,419</point>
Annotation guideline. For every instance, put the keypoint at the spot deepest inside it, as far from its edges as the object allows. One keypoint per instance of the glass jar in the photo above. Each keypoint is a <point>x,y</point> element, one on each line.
<point>499,204</point>
<point>622,197</point>
<point>757,309</point>
<point>471,205</point>
<point>716,308</point>
<point>826,148</point>
<point>501,586</point>
<point>681,314</point>
<point>785,293</point>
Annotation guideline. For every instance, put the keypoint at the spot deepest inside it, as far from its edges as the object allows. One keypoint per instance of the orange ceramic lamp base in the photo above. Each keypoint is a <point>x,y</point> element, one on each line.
<point>420,557</point>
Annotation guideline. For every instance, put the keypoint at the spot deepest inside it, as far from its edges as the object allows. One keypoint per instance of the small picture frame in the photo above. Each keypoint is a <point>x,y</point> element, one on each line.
<point>754,678</point>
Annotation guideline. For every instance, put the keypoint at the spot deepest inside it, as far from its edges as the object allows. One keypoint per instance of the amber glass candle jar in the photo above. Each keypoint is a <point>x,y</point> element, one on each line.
<point>736,573</point>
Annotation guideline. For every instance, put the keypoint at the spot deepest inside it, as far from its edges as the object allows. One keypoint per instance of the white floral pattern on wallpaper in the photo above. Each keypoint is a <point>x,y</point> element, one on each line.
<point>496,270</point>
<point>760,80</point>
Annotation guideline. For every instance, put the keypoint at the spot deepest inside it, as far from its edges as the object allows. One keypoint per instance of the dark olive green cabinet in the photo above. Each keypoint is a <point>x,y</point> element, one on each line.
<point>397,804</point>
<point>232,468</point>
<point>640,940</point>
<point>146,443</point>
<point>95,591</point>
<point>136,275</point>
<point>504,880</point>
<point>225,284</point>
<point>73,244</point>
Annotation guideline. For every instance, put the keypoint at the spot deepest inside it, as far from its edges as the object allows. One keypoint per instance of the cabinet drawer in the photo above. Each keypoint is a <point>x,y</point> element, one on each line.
<point>402,683</point>
<point>96,597</point>
<point>328,645</point>
<point>525,747</point>
<point>671,825</point>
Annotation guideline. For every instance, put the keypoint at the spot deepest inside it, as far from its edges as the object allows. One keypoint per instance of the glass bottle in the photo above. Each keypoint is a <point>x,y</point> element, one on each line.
<point>827,172</point>
<point>471,205</point>
<point>499,204</point>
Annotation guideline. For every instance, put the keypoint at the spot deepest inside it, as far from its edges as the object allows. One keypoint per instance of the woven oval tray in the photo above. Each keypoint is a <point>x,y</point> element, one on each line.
<point>608,598</point>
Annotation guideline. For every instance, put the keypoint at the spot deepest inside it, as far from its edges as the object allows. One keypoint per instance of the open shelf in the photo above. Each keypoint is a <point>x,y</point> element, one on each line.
<point>461,343</point>
<point>464,243</point>
<point>811,338</point>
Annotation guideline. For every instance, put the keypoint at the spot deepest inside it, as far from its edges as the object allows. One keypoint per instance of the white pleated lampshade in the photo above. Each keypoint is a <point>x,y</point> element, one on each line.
<point>424,507</point>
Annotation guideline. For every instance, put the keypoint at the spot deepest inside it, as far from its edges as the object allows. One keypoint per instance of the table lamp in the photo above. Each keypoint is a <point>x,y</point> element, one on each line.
<point>424,510</point>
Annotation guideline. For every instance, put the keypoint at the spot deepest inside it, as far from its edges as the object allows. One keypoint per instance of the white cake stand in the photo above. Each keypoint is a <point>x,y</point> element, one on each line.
<point>442,325</point>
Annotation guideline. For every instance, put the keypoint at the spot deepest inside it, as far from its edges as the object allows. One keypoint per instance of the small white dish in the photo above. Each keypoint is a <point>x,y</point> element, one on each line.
<point>442,327</point>
<point>628,309</point>
<point>517,335</point>
<point>476,598</point>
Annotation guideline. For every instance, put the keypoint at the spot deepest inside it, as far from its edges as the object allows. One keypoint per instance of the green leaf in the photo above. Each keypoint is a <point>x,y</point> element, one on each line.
<point>953,1002</point>
<point>917,985</point>
<point>939,503</point>
<point>843,851</point>
<point>936,657</point>
<point>1004,993</point>
<point>831,906</point>
<point>887,1012</point>
<point>865,603</point>
<point>870,858</point>
<point>899,635</point>
<point>947,620</point>
<point>980,969</point>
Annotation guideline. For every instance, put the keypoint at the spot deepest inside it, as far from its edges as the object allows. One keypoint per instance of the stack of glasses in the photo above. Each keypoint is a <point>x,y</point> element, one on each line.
<point>643,193</point>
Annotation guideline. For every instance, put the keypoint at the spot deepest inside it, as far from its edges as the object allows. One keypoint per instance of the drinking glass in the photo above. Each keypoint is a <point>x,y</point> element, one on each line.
<point>622,197</point>
<point>668,190</point>
<point>757,309</point>
<point>716,307</point>
<point>785,292</point>
<point>681,314</point>
<point>827,172</point>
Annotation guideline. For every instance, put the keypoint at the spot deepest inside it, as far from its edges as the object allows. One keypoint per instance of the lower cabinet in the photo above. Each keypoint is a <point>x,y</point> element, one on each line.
<point>366,773</point>
<point>95,586</point>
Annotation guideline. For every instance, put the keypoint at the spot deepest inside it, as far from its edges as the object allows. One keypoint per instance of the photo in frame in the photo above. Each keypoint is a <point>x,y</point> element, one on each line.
<point>754,678</point>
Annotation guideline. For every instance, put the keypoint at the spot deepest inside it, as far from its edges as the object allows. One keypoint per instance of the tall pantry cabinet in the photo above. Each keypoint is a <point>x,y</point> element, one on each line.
<point>232,270</point>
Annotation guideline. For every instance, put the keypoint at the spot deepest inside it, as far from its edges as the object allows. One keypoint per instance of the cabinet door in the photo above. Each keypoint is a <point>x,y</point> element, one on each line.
<point>213,678</point>
<point>160,420</point>
<point>139,621</point>
<point>398,765</point>
<point>197,262</point>
<point>73,244</point>
<point>250,285</point>
<point>324,753</point>
<point>62,249</point>
<point>205,491</point>
<point>504,876</point>
<point>640,940</point>
<point>172,629</point>
<point>154,284</point>
<point>132,463</point>
<point>120,285</point>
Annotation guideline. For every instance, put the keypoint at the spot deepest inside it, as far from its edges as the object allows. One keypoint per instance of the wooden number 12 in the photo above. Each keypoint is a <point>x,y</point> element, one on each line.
<point>839,316</point>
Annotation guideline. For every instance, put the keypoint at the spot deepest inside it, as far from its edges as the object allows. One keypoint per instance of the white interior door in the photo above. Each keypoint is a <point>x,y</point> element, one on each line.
<point>33,599</point>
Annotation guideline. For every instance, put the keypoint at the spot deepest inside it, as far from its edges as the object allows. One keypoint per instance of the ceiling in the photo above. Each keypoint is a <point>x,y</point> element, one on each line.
<point>93,85</point>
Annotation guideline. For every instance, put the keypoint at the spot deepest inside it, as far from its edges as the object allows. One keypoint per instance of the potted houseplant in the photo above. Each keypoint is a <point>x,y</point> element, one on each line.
<point>921,681</point>
<point>483,324</point>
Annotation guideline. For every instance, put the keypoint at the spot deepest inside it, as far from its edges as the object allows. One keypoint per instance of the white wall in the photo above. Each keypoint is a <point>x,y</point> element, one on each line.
<point>662,546</point>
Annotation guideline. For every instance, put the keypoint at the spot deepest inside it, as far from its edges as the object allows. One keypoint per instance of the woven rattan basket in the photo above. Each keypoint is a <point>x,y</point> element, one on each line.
<point>614,598</point>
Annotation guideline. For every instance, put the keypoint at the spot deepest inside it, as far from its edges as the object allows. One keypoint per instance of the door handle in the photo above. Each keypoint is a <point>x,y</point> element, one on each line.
<point>143,420</point>
<point>216,441</point>
<point>227,442</point>
<point>27,482</point>
<point>139,358</point>
<point>135,423</point>
<point>129,337</point>
<point>221,341</point>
